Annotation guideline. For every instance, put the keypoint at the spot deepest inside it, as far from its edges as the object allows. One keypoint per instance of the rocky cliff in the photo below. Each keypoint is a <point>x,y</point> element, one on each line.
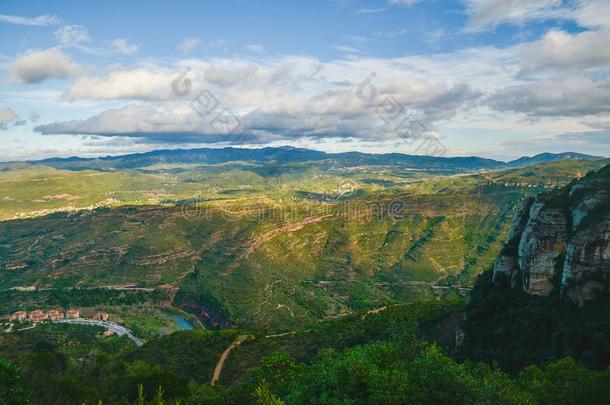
<point>561,240</point>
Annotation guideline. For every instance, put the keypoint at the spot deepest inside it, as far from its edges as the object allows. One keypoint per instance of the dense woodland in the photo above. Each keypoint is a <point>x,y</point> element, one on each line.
<point>388,357</point>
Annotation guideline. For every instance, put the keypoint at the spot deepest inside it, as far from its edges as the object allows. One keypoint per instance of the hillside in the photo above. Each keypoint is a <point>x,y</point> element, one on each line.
<point>246,267</point>
<point>562,235</point>
<point>382,356</point>
<point>550,157</point>
<point>548,294</point>
<point>271,250</point>
<point>334,293</point>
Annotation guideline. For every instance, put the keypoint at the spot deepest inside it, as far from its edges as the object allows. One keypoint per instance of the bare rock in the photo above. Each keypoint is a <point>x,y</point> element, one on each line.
<point>586,270</point>
<point>543,240</point>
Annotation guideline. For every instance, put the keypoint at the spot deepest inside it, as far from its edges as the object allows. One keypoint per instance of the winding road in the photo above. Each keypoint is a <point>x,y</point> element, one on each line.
<point>223,357</point>
<point>114,327</point>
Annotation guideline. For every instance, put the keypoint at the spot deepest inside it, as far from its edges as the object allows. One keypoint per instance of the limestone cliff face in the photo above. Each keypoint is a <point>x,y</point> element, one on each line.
<point>506,266</point>
<point>544,239</point>
<point>561,241</point>
<point>587,264</point>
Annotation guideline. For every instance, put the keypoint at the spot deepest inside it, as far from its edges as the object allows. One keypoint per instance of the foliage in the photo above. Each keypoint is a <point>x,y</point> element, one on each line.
<point>369,358</point>
<point>234,237</point>
<point>11,390</point>
<point>188,354</point>
<point>390,374</point>
<point>515,329</point>
<point>255,259</point>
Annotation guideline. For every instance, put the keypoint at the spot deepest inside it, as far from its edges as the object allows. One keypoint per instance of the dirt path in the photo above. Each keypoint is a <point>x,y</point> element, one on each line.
<point>374,311</point>
<point>221,362</point>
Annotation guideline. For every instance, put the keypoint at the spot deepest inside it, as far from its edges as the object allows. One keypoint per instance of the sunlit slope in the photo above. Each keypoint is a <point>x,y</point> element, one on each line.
<point>263,263</point>
<point>33,190</point>
<point>283,257</point>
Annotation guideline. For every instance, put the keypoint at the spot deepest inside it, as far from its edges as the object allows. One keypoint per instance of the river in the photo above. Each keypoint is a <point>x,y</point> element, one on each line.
<point>182,323</point>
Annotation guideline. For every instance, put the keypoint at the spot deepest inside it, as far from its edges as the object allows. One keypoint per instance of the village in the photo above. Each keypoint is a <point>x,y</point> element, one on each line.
<point>72,316</point>
<point>38,316</point>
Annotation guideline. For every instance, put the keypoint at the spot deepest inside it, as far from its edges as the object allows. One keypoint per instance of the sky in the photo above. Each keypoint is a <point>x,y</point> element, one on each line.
<point>492,78</point>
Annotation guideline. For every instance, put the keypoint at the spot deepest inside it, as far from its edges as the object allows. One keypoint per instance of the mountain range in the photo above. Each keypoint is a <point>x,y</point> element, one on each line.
<point>287,154</point>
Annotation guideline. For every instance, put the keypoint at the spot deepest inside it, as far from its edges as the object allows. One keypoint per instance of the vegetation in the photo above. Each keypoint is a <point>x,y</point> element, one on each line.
<point>379,357</point>
<point>14,300</point>
<point>347,274</point>
<point>514,329</point>
<point>256,247</point>
<point>389,374</point>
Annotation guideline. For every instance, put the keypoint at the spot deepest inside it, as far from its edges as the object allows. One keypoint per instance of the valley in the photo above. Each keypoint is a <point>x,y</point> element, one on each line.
<point>241,264</point>
<point>273,243</point>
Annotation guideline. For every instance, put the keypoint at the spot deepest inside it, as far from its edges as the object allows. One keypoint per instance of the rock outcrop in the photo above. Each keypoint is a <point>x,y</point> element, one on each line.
<point>542,242</point>
<point>506,266</point>
<point>561,240</point>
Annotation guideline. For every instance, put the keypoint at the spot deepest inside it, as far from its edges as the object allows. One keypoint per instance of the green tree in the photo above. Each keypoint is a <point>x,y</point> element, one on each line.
<point>263,396</point>
<point>11,391</point>
<point>566,382</point>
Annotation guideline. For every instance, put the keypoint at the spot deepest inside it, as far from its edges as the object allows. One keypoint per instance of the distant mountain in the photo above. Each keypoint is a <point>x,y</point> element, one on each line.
<point>288,155</point>
<point>281,155</point>
<point>550,157</point>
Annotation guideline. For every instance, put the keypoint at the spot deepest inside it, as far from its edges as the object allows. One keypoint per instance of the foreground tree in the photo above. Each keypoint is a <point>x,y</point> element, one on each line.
<point>11,392</point>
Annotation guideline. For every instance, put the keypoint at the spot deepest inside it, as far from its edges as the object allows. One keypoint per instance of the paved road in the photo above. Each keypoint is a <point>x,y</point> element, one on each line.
<point>115,327</point>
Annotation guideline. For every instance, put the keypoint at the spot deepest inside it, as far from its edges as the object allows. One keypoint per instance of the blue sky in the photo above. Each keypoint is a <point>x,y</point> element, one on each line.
<point>495,78</point>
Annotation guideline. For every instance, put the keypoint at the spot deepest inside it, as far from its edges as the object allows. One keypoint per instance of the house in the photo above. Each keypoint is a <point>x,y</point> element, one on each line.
<point>38,316</point>
<point>108,333</point>
<point>73,314</point>
<point>100,316</point>
<point>55,315</point>
<point>19,316</point>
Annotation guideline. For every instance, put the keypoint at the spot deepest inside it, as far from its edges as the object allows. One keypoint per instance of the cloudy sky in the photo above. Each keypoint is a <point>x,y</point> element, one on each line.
<point>494,78</point>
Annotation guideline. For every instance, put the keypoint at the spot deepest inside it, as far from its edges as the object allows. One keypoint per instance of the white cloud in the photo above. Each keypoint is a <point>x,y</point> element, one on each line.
<point>188,45</point>
<point>486,14</point>
<point>560,96</point>
<point>347,49</point>
<point>278,99</point>
<point>6,117</point>
<point>593,13</point>
<point>155,123</point>
<point>139,84</point>
<point>40,21</point>
<point>37,66</point>
<point>34,116</point>
<point>552,85</point>
<point>403,2</point>
<point>255,48</point>
<point>122,46</point>
<point>72,35</point>
<point>561,50</point>
<point>370,10</point>
<point>227,76</point>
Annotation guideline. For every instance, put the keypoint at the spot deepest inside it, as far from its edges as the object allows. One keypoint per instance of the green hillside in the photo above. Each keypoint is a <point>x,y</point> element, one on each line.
<point>338,284</point>
<point>271,246</point>
<point>393,355</point>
